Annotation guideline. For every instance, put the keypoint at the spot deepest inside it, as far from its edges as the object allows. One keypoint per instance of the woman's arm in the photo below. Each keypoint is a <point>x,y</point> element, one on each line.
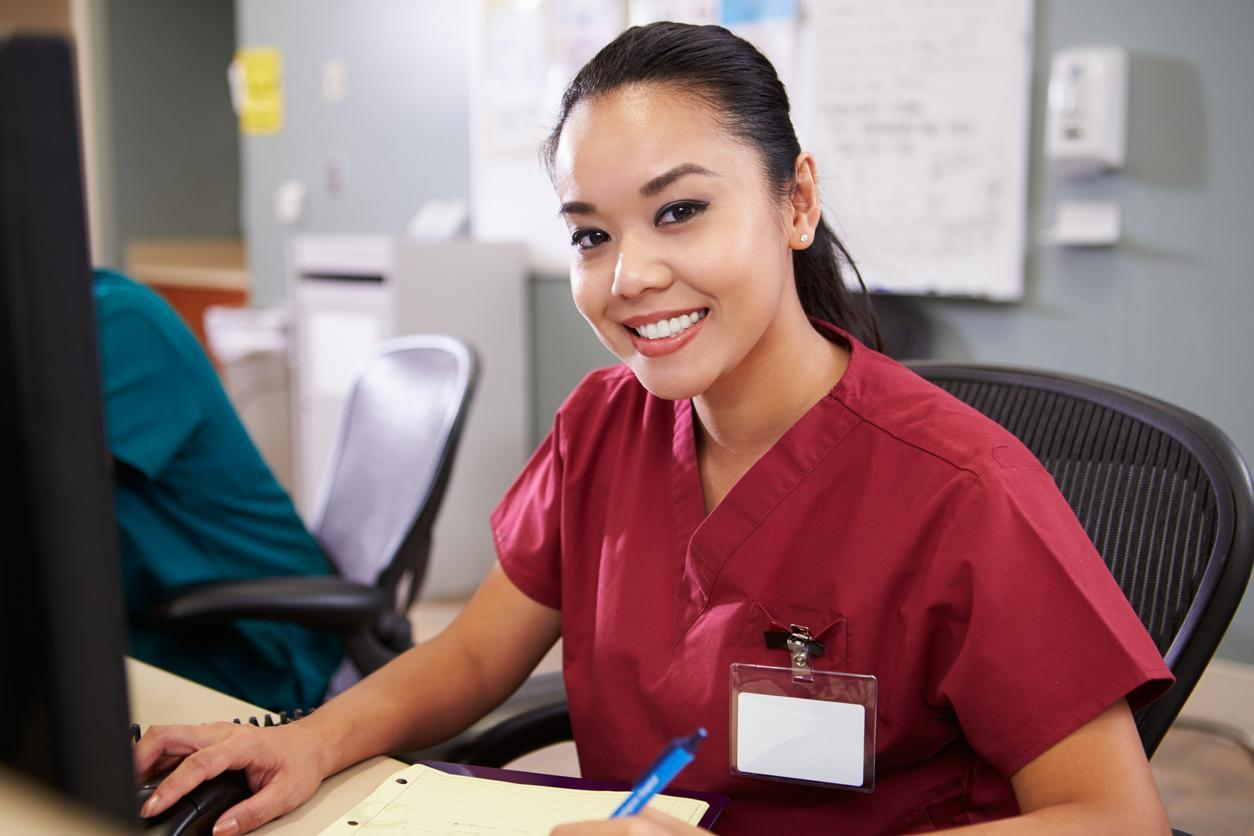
<point>442,686</point>
<point>1095,781</point>
<point>426,695</point>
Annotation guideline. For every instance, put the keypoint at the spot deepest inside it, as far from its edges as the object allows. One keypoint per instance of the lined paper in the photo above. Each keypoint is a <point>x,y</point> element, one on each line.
<point>433,803</point>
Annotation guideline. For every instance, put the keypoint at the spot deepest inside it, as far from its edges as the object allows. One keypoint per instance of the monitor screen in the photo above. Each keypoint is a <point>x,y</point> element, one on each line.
<point>63,711</point>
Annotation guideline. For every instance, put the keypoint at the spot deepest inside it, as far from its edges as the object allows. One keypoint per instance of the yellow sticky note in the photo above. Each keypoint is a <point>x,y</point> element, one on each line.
<point>260,93</point>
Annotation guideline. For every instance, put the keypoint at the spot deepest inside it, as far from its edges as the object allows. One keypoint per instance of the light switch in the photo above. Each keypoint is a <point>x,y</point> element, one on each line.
<point>337,176</point>
<point>289,202</point>
<point>334,80</point>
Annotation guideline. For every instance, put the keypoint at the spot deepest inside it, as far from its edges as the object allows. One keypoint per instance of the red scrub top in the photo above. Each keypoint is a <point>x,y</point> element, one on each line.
<point>917,539</point>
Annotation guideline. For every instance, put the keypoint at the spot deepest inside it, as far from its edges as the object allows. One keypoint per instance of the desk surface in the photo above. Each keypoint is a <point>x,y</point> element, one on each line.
<point>160,698</point>
<point>33,808</point>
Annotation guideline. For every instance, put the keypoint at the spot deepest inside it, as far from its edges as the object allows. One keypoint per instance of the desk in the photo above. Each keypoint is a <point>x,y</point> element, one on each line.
<point>158,697</point>
<point>29,807</point>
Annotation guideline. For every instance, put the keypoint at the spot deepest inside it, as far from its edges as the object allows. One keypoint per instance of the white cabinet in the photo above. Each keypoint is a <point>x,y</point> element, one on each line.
<point>349,293</point>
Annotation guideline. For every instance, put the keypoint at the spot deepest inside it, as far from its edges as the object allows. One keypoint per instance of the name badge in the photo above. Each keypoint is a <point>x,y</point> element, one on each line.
<point>801,725</point>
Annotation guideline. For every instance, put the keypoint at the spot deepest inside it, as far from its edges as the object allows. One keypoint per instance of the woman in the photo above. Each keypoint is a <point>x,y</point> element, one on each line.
<point>750,465</point>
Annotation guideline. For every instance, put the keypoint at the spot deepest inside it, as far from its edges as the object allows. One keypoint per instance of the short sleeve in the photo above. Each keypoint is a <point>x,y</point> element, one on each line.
<point>150,408</point>
<point>526,525</point>
<point>1035,638</point>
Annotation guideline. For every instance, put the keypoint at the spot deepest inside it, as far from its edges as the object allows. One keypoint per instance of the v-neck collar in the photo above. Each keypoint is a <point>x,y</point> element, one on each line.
<point>707,542</point>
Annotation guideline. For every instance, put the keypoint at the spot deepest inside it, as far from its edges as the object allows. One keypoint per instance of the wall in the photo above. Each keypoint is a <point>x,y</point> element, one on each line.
<point>400,134</point>
<point>171,149</point>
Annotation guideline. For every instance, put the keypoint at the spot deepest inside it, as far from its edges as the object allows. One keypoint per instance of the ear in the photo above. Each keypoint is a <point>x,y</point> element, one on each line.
<point>805,202</point>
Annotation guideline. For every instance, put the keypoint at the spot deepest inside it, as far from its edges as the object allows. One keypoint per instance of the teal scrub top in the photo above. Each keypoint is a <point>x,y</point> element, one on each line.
<point>196,503</point>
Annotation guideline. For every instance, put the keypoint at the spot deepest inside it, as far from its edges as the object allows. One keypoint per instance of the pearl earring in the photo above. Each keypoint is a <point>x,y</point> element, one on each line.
<point>804,237</point>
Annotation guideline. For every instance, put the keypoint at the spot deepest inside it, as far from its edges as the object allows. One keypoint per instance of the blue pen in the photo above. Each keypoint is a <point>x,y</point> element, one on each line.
<point>674,758</point>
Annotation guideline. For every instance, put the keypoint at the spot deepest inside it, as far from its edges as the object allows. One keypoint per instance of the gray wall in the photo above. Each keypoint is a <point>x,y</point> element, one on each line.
<point>171,152</point>
<point>1168,311</point>
<point>402,132</point>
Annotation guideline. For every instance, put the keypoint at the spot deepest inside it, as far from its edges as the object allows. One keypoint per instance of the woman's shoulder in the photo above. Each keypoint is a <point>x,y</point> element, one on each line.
<point>611,409</point>
<point>922,419</point>
<point>603,393</point>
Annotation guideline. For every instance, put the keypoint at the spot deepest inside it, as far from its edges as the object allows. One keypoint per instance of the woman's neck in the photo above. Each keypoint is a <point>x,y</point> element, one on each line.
<point>792,368</point>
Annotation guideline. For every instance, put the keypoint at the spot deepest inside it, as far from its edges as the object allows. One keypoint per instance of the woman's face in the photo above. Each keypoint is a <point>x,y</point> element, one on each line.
<point>681,257</point>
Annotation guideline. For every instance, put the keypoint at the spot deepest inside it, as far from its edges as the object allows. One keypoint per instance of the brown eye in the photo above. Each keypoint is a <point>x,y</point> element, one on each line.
<point>586,239</point>
<point>677,213</point>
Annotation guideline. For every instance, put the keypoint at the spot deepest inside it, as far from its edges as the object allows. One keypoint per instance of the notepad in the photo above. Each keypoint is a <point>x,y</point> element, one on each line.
<point>421,801</point>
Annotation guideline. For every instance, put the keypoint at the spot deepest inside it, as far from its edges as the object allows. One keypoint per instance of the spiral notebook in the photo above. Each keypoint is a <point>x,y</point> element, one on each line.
<point>438,798</point>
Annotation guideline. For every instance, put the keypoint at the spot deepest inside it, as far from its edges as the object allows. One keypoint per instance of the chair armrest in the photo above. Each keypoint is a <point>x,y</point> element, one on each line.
<point>320,602</point>
<point>518,735</point>
<point>534,717</point>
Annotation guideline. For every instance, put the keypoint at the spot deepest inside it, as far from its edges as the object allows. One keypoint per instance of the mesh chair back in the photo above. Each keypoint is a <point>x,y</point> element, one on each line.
<point>397,438</point>
<point>1162,493</point>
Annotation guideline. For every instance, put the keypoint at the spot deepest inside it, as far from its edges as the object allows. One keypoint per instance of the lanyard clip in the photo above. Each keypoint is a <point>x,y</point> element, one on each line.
<point>799,643</point>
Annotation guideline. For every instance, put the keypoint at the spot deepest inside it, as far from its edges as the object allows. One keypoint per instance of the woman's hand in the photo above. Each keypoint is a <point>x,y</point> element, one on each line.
<point>646,823</point>
<point>284,765</point>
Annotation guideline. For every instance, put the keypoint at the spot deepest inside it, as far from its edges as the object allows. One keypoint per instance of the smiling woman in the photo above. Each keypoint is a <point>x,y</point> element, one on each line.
<point>783,473</point>
<point>757,506</point>
<point>672,216</point>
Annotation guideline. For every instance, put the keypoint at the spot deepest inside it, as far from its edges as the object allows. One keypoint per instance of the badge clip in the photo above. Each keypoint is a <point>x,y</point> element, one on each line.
<point>801,646</point>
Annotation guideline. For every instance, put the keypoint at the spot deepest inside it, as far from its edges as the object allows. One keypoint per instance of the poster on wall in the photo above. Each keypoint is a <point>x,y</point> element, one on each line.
<point>530,52</point>
<point>255,78</point>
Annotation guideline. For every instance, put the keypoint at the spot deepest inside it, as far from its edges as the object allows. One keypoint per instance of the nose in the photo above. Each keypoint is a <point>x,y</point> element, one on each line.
<point>637,271</point>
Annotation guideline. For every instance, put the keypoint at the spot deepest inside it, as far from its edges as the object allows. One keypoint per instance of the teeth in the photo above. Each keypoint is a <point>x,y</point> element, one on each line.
<point>670,327</point>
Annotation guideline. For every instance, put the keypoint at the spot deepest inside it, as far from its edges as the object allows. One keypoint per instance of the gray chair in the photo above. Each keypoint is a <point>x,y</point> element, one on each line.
<point>397,441</point>
<point>1163,494</point>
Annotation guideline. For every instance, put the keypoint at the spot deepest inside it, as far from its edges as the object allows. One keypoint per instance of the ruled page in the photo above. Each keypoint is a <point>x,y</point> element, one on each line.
<point>421,801</point>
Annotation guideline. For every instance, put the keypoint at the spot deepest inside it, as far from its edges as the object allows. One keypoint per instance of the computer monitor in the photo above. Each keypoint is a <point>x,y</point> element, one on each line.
<point>63,708</point>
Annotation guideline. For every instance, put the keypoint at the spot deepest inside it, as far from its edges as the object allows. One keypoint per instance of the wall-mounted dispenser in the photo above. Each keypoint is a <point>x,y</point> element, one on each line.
<point>1087,113</point>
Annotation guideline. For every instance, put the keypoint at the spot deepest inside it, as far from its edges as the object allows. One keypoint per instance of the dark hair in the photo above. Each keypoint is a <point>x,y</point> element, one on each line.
<point>742,89</point>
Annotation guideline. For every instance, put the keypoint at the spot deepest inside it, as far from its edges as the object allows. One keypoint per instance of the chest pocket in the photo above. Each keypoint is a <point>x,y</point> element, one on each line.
<point>826,627</point>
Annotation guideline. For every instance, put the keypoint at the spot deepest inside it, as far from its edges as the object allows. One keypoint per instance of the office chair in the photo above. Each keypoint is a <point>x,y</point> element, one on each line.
<point>397,440</point>
<point>1163,494</point>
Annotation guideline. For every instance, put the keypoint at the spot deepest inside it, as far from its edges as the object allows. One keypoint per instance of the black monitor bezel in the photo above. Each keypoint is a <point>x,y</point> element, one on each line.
<point>63,700</point>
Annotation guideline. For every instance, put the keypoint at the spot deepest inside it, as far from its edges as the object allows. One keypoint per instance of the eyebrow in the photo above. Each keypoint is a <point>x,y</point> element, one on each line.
<point>660,182</point>
<point>649,189</point>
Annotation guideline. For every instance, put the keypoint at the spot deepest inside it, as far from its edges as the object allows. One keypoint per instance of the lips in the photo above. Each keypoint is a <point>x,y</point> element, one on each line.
<point>658,317</point>
<point>661,346</point>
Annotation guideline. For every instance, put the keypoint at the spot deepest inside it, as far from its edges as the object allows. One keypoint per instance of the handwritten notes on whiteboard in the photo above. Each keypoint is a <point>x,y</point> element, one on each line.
<point>917,112</point>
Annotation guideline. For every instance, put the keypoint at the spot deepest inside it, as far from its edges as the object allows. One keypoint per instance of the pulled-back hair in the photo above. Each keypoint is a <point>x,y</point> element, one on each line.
<point>743,92</point>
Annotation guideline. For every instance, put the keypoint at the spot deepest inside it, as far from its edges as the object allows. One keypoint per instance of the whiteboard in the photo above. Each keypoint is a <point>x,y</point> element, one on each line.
<point>917,113</point>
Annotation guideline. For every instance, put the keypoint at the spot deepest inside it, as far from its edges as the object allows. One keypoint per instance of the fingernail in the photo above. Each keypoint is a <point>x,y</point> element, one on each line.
<point>225,827</point>
<point>150,805</point>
